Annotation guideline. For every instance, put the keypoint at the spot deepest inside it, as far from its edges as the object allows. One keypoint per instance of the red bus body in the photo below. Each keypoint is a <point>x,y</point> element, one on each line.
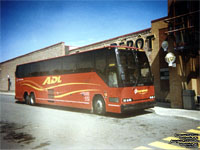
<point>79,89</point>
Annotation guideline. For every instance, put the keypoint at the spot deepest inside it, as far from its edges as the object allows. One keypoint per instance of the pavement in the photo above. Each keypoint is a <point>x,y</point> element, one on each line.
<point>162,109</point>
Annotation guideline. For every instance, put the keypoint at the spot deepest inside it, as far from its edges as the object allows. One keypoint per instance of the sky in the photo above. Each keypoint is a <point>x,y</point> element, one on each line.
<point>28,25</point>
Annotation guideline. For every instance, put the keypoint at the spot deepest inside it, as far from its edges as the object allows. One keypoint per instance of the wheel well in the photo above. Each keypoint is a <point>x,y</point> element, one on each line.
<point>32,93</point>
<point>97,106</point>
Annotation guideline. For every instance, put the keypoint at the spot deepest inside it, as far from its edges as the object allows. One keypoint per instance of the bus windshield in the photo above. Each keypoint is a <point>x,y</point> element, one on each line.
<point>135,69</point>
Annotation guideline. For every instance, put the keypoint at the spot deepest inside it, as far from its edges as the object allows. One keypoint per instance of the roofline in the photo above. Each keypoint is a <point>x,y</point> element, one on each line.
<point>159,19</point>
<point>112,39</point>
<point>31,52</point>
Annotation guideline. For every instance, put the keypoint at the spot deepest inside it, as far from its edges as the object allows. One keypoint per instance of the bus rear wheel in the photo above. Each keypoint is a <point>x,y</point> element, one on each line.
<point>26,98</point>
<point>32,99</point>
<point>99,106</point>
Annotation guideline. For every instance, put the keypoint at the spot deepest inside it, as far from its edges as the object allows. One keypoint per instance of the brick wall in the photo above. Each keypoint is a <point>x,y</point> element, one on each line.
<point>9,67</point>
<point>157,28</point>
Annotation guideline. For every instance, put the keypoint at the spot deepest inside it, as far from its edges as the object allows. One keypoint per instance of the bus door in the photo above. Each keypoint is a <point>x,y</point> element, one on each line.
<point>112,77</point>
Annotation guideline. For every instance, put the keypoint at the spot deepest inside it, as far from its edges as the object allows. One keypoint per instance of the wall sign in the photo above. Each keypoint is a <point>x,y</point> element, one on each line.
<point>138,42</point>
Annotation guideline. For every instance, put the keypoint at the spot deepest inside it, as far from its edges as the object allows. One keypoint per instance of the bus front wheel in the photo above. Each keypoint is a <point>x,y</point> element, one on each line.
<point>99,106</point>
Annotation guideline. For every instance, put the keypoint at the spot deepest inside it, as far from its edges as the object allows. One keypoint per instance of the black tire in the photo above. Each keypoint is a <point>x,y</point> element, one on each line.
<point>26,99</point>
<point>99,106</point>
<point>32,99</point>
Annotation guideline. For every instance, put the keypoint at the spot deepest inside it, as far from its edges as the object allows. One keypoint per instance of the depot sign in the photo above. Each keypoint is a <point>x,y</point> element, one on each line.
<point>138,42</point>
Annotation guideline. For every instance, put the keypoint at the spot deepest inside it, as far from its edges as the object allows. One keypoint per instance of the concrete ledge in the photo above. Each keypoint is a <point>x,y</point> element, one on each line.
<point>7,93</point>
<point>190,114</point>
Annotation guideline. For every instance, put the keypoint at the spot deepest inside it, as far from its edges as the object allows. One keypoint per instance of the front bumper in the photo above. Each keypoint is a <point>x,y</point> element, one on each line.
<point>137,106</point>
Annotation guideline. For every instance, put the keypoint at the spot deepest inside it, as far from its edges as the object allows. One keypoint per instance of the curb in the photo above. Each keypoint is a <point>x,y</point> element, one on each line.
<point>190,114</point>
<point>6,93</point>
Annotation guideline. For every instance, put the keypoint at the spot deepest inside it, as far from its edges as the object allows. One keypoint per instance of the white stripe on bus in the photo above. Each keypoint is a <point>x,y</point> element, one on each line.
<point>113,105</point>
<point>66,101</point>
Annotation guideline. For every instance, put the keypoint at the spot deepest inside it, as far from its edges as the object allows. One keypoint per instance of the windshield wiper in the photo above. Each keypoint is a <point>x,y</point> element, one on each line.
<point>137,80</point>
<point>137,66</point>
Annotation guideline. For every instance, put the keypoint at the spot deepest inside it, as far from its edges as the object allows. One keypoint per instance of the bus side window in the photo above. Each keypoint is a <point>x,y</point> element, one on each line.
<point>19,72</point>
<point>112,79</point>
<point>54,66</point>
<point>35,69</point>
<point>26,70</point>
<point>85,62</point>
<point>69,64</point>
<point>100,63</point>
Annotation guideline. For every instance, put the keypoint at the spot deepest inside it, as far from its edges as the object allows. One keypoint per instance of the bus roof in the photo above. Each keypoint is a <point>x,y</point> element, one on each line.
<point>78,52</point>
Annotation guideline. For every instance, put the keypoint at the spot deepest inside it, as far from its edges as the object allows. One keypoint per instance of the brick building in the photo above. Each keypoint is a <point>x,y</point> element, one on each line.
<point>168,81</point>
<point>7,68</point>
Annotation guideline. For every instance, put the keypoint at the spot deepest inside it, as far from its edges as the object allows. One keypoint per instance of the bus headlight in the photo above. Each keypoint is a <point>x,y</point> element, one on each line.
<point>152,97</point>
<point>127,100</point>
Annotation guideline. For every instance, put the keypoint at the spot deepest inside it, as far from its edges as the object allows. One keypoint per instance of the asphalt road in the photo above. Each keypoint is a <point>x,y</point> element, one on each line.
<point>47,127</point>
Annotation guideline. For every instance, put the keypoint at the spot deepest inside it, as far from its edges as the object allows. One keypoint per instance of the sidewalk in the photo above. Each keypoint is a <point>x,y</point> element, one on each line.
<point>12,93</point>
<point>160,109</point>
<point>190,114</point>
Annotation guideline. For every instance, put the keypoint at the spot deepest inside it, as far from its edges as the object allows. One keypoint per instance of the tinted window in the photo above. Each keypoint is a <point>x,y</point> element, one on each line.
<point>100,61</point>
<point>85,62</point>
<point>18,72</point>
<point>111,58</point>
<point>35,69</point>
<point>44,68</point>
<point>54,66</point>
<point>69,64</point>
<point>23,71</point>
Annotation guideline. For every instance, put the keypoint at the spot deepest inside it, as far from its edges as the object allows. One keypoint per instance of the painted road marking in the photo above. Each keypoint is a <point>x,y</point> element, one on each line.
<point>162,145</point>
<point>142,147</point>
<point>170,138</point>
<point>199,137</point>
<point>165,145</point>
<point>196,132</point>
<point>193,131</point>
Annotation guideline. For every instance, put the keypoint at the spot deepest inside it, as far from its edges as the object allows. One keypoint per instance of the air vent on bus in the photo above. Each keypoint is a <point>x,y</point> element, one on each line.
<point>51,93</point>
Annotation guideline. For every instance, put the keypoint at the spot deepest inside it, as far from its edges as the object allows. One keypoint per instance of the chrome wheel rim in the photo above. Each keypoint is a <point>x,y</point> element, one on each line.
<point>32,101</point>
<point>99,106</point>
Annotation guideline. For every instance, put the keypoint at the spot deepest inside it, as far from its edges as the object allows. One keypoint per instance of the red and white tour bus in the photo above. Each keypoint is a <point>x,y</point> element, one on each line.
<point>109,79</point>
